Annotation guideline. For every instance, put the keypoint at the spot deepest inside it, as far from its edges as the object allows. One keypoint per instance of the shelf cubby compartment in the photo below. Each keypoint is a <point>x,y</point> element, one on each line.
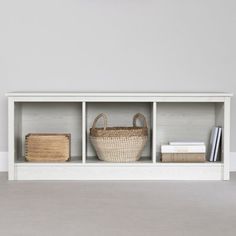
<point>119,114</point>
<point>48,117</point>
<point>187,122</point>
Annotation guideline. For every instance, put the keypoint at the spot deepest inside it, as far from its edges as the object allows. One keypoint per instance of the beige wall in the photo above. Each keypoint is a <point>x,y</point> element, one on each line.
<point>108,45</point>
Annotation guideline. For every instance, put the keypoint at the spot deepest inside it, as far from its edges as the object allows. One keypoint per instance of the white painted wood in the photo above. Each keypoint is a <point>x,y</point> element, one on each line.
<point>190,99</point>
<point>226,139</point>
<point>154,132</point>
<point>118,99</point>
<point>4,162</point>
<point>84,128</point>
<point>11,139</point>
<point>170,116</point>
<point>93,161</point>
<point>39,172</point>
<point>200,164</point>
<point>151,94</point>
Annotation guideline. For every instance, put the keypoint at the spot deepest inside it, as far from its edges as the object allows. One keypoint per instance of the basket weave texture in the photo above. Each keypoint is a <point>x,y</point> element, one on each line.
<point>119,144</point>
<point>47,147</point>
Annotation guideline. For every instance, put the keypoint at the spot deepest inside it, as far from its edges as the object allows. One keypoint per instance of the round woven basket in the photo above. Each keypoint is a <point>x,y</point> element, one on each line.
<point>119,144</point>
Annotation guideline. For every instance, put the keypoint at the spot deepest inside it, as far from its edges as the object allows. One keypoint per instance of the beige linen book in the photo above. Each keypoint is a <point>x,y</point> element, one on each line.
<point>183,157</point>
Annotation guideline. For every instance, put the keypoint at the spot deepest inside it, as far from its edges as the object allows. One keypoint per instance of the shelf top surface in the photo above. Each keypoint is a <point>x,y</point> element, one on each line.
<point>115,94</point>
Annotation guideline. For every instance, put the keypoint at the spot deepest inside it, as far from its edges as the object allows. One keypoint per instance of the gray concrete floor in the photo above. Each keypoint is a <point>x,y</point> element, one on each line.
<point>117,208</point>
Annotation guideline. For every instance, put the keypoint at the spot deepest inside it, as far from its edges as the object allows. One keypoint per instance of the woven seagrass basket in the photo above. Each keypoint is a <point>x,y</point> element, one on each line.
<point>119,144</point>
<point>47,147</point>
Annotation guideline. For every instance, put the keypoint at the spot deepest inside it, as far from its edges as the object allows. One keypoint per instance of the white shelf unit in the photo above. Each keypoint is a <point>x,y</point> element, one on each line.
<point>170,117</point>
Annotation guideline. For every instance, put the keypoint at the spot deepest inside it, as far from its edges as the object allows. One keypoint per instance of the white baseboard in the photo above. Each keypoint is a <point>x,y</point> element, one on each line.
<point>4,161</point>
<point>233,161</point>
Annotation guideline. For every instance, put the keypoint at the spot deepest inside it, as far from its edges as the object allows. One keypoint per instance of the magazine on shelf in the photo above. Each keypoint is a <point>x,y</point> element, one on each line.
<point>217,149</point>
<point>213,141</point>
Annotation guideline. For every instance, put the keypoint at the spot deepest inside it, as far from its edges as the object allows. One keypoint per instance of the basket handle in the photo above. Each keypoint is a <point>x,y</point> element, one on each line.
<point>102,115</point>
<point>140,117</point>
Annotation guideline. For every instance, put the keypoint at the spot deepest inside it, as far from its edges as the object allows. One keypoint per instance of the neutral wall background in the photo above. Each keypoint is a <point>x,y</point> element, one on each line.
<point>117,45</point>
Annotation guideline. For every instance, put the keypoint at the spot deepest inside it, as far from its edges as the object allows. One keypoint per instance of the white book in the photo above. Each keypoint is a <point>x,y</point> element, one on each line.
<point>186,143</point>
<point>217,143</point>
<point>183,149</point>
<point>213,140</point>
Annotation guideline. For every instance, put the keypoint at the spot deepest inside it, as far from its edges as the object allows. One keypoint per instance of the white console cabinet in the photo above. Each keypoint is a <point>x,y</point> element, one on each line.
<point>170,117</point>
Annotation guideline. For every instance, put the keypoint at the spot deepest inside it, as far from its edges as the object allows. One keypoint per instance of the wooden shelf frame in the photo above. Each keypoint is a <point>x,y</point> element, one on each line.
<point>88,168</point>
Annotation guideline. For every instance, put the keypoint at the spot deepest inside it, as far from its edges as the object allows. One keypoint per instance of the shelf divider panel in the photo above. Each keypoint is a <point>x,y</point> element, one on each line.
<point>84,117</point>
<point>154,131</point>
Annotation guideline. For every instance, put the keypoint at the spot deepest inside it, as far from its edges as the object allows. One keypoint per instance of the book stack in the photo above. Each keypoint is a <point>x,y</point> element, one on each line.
<point>215,141</point>
<point>183,152</point>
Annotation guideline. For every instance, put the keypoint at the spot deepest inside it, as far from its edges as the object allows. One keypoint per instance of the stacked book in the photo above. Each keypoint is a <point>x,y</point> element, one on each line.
<point>183,152</point>
<point>215,141</point>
